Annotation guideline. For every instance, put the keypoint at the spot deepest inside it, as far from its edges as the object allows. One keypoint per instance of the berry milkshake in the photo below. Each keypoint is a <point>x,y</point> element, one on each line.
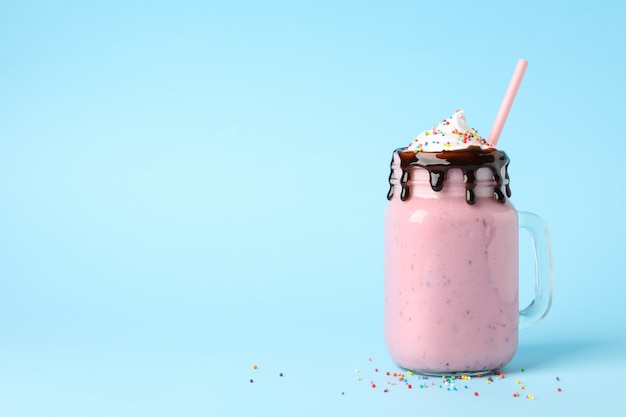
<point>451,254</point>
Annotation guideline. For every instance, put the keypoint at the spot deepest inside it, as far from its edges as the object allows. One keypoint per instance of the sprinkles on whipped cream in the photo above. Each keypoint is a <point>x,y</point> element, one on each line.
<point>449,134</point>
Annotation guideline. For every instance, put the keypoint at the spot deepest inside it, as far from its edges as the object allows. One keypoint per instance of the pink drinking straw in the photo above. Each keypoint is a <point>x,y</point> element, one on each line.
<point>507,102</point>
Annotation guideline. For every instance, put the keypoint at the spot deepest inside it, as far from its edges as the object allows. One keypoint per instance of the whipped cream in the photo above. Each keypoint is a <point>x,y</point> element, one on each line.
<point>447,135</point>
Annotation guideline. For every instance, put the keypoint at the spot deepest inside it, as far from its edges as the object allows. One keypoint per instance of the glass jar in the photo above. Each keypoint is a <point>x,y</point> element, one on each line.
<point>451,263</point>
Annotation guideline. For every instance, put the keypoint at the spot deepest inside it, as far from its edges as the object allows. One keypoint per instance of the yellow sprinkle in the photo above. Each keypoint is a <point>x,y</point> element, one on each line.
<point>410,373</point>
<point>518,381</point>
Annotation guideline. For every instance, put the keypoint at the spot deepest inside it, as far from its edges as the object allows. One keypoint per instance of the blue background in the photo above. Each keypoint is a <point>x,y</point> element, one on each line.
<point>188,189</point>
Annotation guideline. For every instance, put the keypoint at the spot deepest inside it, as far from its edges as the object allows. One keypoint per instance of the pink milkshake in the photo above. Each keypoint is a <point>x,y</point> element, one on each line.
<point>451,254</point>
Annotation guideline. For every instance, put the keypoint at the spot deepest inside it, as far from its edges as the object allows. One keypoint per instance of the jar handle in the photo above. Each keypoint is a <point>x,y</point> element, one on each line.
<point>544,270</point>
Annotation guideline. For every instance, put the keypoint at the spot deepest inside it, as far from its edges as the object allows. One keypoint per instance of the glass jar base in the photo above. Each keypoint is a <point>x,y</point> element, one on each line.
<point>455,374</point>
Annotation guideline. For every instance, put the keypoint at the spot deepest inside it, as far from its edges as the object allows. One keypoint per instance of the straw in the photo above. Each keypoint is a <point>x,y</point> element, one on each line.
<point>507,102</point>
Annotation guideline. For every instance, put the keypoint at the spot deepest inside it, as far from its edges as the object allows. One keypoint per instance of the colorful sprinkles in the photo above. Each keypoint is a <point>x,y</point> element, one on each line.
<point>452,383</point>
<point>448,134</point>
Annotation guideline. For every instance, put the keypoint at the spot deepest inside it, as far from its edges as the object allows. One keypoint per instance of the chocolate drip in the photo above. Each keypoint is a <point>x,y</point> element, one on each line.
<point>438,164</point>
<point>437,177</point>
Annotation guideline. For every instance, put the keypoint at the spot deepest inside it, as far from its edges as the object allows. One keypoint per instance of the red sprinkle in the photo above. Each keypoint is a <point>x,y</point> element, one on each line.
<point>475,393</point>
<point>410,386</point>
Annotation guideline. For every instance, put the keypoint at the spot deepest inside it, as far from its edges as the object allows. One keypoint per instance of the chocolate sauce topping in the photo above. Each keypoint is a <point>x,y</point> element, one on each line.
<point>438,164</point>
